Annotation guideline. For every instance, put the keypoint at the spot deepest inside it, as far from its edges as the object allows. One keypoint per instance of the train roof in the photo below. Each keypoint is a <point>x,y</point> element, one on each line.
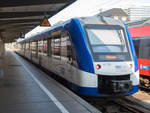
<point>138,23</point>
<point>97,19</point>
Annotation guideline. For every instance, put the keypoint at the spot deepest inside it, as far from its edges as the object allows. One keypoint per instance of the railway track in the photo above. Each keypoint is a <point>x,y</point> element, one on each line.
<point>120,105</point>
<point>131,107</point>
<point>145,89</point>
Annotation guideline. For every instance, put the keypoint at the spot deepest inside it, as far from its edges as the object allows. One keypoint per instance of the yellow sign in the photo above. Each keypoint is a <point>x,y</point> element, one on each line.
<point>45,22</point>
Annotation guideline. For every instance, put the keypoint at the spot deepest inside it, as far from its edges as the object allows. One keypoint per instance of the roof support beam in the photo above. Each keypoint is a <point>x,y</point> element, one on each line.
<point>12,3</point>
<point>23,14</point>
<point>7,22</point>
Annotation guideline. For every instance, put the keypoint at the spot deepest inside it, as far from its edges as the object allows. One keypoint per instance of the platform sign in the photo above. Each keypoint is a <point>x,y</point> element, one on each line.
<point>45,22</point>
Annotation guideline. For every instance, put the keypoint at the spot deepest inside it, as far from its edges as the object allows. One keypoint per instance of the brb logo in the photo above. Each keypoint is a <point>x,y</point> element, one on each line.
<point>145,67</point>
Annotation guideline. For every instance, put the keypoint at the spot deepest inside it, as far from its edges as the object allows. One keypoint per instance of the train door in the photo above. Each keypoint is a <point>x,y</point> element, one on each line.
<point>67,56</point>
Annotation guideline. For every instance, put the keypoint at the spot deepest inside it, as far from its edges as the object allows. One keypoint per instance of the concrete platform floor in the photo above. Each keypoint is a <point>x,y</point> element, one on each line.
<point>26,89</point>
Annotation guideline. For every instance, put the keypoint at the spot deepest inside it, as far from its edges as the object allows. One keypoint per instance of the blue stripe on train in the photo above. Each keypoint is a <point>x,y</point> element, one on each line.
<point>80,43</point>
<point>94,91</point>
<point>88,91</point>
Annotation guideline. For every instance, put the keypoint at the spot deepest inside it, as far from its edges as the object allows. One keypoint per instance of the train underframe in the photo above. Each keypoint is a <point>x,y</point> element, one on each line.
<point>145,81</point>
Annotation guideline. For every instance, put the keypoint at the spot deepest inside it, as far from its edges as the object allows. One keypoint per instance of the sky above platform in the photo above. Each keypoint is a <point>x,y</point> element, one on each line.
<point>92,7</point>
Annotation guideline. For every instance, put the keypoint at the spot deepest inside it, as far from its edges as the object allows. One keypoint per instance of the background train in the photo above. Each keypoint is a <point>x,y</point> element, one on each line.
<point>93,55</point>
<point>140,33</point>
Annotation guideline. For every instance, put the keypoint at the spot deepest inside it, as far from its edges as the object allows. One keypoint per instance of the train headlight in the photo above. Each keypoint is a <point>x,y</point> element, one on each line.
<point>131,65</point>
<point>98,66</point>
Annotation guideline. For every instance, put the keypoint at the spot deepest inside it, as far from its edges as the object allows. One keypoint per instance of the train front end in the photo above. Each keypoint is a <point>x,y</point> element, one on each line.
<point>113,57</point>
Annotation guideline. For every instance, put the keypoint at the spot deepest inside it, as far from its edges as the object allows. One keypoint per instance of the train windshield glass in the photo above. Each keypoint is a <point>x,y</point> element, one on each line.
<point>108,42</point>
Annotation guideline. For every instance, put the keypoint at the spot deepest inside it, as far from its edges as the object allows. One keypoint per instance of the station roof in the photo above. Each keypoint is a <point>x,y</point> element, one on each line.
<point>18,16</point>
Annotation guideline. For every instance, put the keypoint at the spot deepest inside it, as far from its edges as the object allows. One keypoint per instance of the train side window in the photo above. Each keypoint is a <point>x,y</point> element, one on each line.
<point>45,47</point>
<point>64,50</point>
<point>20,46</point>
<point>136,46</point>
<point>55,46</point>
<point>24,46</point>
<point>40,47</point>
<point>34,49</point>
<point>144,50</point>
<point>27,46</point>
<point>52,47</point>
<point>49,51</point>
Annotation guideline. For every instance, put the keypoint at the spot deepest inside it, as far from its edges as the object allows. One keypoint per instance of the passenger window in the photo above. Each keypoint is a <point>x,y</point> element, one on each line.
<point>24,46</point>
<point>34,49</point>
<point>40,47</point>
<point>144,49</point>
<point>64,47</point>
<point>27,46</point>
<point>55,44</point>
<point>20,46</point>
<point>45,47</point>
<point>136,46</point>
<point>49,51</point>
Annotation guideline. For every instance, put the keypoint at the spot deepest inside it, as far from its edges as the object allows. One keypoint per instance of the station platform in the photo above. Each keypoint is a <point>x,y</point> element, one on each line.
<point>26,89</point>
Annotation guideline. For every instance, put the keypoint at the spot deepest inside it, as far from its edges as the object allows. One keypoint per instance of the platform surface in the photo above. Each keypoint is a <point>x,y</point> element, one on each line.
<point>26,89</point>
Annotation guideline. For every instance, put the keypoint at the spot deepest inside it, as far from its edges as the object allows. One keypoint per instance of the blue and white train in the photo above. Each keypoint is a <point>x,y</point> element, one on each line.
<point>94,55</point>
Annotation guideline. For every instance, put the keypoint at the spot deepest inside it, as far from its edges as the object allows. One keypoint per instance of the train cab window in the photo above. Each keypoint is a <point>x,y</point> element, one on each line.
<point>106,41</point>
<point>55,46</point>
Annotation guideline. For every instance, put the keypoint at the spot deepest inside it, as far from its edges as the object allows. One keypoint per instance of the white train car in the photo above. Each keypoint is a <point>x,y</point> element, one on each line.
<point>93,55</point>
